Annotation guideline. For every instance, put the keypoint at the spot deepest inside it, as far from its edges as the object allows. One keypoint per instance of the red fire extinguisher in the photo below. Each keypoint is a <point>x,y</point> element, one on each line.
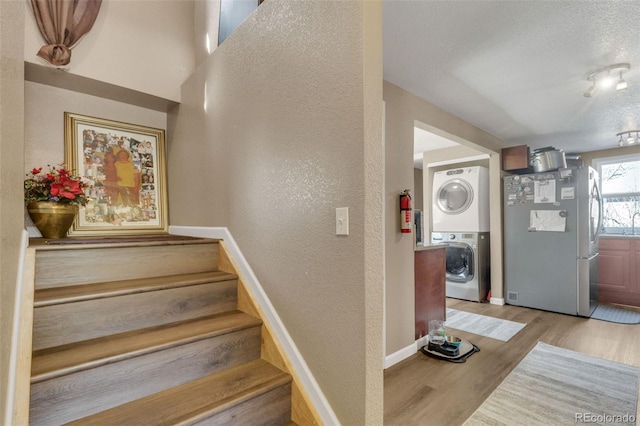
<point>406,214</point>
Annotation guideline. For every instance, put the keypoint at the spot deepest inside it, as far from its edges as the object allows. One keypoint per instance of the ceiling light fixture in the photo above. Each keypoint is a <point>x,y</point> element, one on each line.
<point>629,140</point>
<point>602,78</point>
<point>591,90</point>
<point>622,84</point>
<point>606,81</point>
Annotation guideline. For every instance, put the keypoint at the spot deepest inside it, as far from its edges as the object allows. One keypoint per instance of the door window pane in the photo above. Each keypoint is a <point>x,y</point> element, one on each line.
<point>620,195</point>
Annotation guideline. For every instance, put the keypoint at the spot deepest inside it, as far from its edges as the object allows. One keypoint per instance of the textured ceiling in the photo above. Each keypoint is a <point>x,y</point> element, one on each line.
<point>517,69</point>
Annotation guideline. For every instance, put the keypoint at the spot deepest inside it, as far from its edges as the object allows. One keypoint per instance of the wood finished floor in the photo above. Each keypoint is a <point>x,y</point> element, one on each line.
<point>425,391</point>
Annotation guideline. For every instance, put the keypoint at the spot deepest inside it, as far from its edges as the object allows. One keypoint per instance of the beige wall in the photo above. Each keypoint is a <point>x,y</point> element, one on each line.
<point>588,157</point>
<point>138,44</point>
<point>11,160</point>
<point>44,123</point>
<point>418,192</point>
<point>281,145</point>
<point>44,119</point>
<point>205,28</point>
<point>403,112</point>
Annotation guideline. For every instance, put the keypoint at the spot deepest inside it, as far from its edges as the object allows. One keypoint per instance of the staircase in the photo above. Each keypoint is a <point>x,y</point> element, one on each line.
<point>148,331</point>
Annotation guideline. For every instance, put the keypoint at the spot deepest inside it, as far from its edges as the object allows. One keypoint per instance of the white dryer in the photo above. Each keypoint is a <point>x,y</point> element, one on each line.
<point>461,200</point>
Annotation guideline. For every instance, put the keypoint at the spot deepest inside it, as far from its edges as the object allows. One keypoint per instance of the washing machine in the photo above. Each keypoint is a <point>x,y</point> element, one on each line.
<point>467,264</point>
<point>461,200</point>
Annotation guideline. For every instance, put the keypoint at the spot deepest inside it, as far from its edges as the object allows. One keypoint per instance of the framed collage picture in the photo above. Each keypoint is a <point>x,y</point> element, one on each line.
<point>125,167</point>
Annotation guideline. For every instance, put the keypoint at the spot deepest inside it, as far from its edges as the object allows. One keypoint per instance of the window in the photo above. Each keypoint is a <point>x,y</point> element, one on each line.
<point>620,186</point>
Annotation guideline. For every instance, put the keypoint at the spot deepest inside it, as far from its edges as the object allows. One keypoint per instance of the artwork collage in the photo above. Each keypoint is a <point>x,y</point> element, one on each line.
<point>124,178</point>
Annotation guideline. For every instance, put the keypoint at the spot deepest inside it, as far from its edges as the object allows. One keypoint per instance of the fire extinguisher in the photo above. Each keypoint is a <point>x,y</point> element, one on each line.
<point>406,214</point>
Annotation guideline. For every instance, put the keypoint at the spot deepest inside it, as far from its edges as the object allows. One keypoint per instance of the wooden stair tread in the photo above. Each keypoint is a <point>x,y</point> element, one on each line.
<point>196,400</point>
<point>75,243</point>
<point>66,359</point>
<point>75,293</point>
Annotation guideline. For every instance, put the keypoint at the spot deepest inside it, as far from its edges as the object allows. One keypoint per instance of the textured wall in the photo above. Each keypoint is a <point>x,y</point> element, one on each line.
<point>11,175</point>
<point>281,144</point>
<point>373,211</point>
<point>142,45</point>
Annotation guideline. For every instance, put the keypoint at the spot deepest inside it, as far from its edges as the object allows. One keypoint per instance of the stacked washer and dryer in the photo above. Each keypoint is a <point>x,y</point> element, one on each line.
<point>460,215</point>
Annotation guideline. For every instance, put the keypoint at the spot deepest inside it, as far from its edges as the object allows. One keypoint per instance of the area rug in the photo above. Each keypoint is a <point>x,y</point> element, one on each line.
<point>555,386</point>
<point>616,314</point>
<point>482,325</point>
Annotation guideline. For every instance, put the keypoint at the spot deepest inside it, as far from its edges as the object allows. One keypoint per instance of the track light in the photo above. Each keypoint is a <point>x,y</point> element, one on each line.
<point>629,140</point>
<point>602,78</point>
<point>591,90</point>
<point>606,81</point>
<point>622,84</point>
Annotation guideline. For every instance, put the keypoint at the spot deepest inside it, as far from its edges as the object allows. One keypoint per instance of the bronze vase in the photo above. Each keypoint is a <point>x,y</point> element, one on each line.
<point>53,220</point>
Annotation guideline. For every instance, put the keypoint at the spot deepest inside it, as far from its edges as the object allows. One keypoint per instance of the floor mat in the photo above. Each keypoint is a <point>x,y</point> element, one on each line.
<point>616,314</point>
<point>482,325</point>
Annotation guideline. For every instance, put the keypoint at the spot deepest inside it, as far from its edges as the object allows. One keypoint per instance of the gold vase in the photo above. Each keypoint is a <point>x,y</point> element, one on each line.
<point>53,220</point>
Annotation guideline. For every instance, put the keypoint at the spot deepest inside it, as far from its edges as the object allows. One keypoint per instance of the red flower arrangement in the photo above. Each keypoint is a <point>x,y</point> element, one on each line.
<point>58,185</point>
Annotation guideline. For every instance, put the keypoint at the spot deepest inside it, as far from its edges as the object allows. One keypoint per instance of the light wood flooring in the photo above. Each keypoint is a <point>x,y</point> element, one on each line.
<point>425,391</point>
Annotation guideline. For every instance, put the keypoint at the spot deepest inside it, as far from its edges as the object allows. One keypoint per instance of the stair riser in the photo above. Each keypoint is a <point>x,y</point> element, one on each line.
<point>77,395</point>
<point>271,408</point>
<point>56,268</point>
<point>73,322</point>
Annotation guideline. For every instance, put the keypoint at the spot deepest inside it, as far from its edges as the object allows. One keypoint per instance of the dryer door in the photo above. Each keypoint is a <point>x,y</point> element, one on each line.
<point>454,196</point>
<point>459,262</point>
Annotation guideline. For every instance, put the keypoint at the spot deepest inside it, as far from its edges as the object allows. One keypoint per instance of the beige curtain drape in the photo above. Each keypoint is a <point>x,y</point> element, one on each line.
<point>62,23</point>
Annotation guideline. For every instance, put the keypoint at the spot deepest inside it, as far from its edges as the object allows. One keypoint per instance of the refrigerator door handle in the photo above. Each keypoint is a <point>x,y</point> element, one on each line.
<point>593,256</point>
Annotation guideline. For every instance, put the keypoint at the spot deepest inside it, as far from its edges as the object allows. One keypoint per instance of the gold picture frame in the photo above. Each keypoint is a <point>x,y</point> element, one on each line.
<point>125,165</point>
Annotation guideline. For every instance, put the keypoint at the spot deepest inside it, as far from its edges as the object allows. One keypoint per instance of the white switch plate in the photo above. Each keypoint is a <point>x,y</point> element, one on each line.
<point>342,221</point>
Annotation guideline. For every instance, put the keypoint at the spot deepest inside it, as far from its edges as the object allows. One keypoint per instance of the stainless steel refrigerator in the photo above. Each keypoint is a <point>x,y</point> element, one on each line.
<point>551,226</point>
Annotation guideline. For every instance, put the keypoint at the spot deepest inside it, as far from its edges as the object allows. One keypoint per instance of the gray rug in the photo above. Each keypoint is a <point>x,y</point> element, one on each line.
<point>555,386</point>
<point>616,314</point>
<point>483,325</point>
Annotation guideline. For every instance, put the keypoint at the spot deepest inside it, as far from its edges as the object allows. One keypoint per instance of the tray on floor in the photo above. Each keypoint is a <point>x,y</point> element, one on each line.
<point>465,350</point>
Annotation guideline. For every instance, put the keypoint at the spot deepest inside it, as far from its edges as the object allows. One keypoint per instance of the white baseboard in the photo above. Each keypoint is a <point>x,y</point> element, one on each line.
<point>401,355</point>
<point>15,333</point>
<point>327,416</point>
<point>497,301</point>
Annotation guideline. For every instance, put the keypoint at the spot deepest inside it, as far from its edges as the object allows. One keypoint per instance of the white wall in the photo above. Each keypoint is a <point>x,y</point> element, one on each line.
<point>138,44</point>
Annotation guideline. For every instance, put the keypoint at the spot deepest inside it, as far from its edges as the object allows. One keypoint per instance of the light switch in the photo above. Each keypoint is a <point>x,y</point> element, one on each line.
<point>342,221</point>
